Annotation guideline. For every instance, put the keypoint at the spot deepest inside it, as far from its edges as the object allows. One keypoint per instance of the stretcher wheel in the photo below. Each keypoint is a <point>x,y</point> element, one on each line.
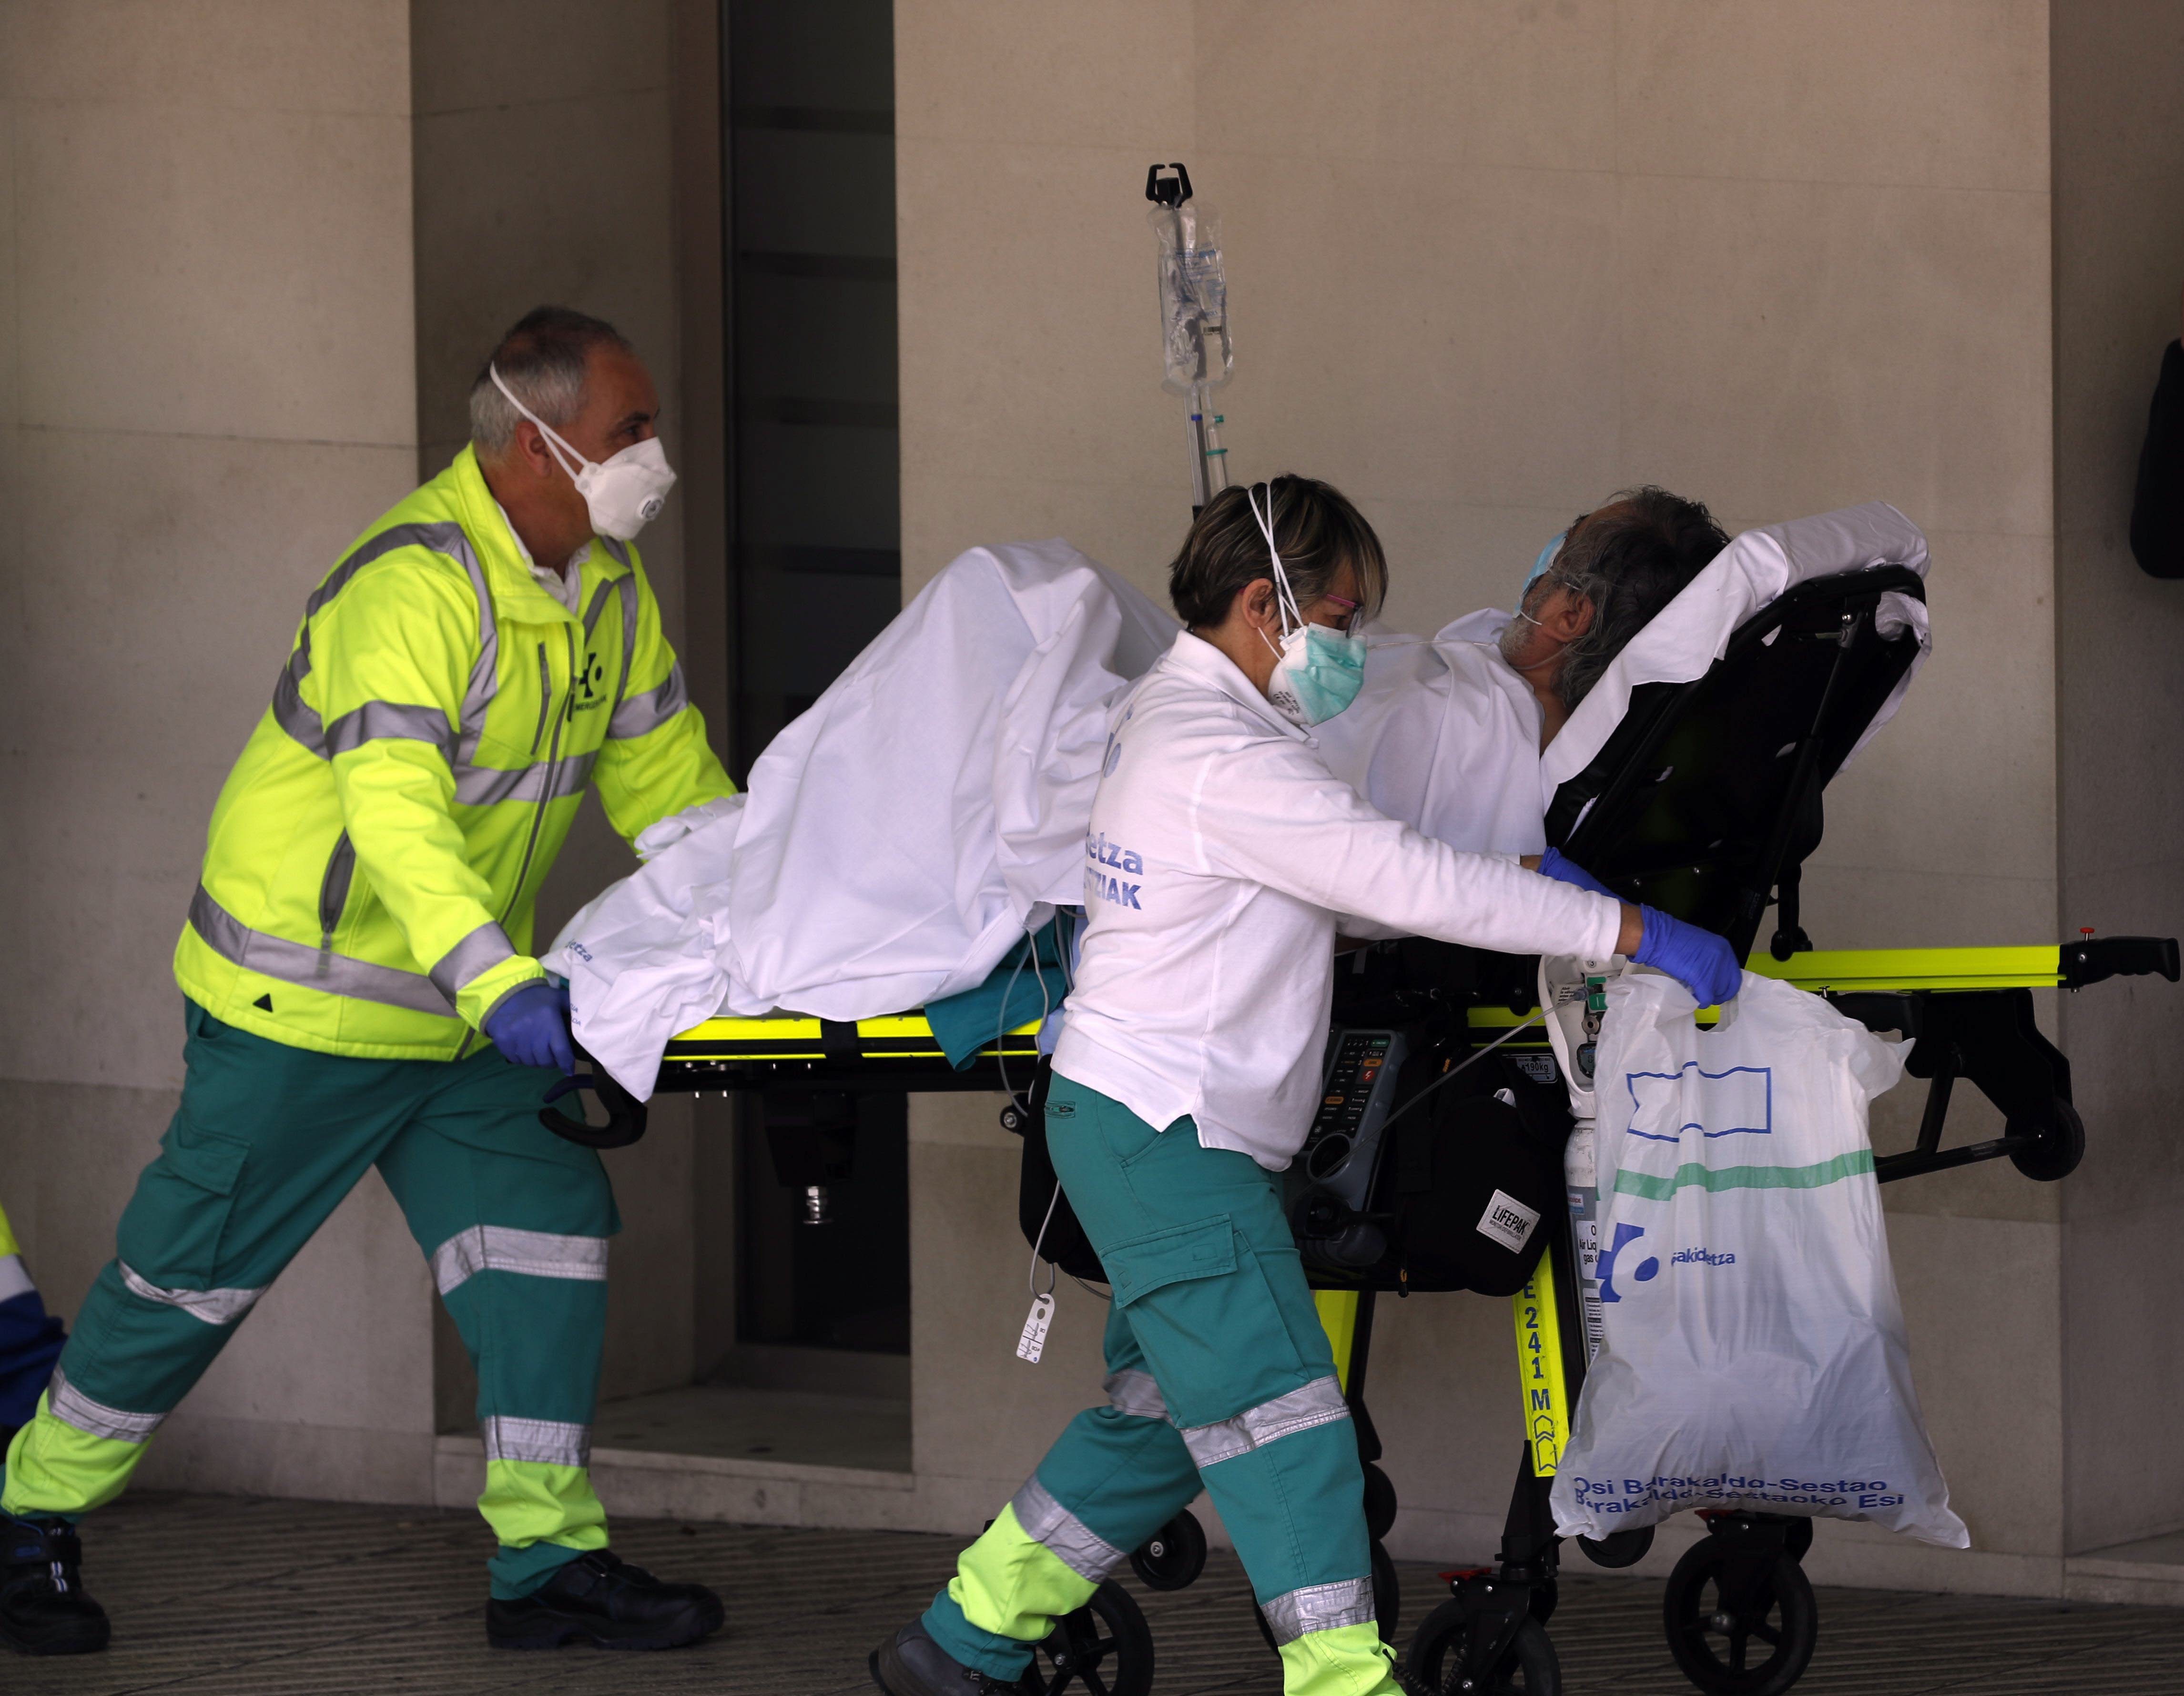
<point>1387,1599</point>
<point>1379,1503</point>
<point>1174,1556</point>
<point>1619,1548</point>
<point>1741,1621</point>
<point>1105,1647</point>
<point>1434,1666</point>
<point>2061,1146</point>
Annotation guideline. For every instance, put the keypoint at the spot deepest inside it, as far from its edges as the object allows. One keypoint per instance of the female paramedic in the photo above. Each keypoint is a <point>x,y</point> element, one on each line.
<point>1222,852</point>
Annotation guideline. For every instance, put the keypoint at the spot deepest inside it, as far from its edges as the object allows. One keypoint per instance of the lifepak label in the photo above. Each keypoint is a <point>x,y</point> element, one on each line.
<point>1508,1221</point>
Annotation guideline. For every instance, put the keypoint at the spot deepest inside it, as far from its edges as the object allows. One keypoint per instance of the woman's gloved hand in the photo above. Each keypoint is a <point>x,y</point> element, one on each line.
<point>1701,961</point>
<point>531,1027</point>
<point>1553,865</point>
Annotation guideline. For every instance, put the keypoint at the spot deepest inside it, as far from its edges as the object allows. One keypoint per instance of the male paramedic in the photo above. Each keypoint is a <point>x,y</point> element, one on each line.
<point>1184,1080</point>
<point>360,990</point>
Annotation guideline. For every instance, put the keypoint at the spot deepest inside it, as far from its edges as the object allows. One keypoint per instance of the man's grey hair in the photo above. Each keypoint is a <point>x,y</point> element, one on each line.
<point>1629,557</point>
<point>543,360</point>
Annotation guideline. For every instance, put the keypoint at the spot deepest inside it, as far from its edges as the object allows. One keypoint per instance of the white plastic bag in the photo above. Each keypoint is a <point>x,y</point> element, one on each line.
<point>1755,1355</point>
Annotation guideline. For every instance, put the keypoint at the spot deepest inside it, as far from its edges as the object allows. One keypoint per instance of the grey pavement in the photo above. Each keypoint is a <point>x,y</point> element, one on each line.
<point>252,1597</point>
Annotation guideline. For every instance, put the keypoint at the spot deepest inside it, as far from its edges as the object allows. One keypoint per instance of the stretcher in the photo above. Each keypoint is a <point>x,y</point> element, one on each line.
<point>1705,801</point>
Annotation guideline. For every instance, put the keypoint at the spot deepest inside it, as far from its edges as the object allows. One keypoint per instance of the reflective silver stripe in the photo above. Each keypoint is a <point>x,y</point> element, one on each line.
<point>597,606</point>
<point>1135,1393</point>
<point>1082,1551</point>
<point>319,969</point>
<point>14,1277</point>
<point>301,721</point>
<point>1319,1607</point>
<point>627,588</point>
<point>502,1248</point>
<point>542,1441</point>
<point>290,710</point>
<point>70,1405</point>
<point>1318,1403</point>
<point>641,714</point>
<point>484,948</point>
<point>388,721</point>
<point>485,786</point>
<point>211,1307</point>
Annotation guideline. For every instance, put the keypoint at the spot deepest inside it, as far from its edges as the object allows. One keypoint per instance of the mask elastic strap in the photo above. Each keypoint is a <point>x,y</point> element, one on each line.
<point>554,441</point>
<point>1285,599</point>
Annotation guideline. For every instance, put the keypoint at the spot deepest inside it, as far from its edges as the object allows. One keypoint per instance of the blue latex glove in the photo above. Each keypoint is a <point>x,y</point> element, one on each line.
<point>1703,963</point>
<point>1552,864</point>
<point>531,1027</point>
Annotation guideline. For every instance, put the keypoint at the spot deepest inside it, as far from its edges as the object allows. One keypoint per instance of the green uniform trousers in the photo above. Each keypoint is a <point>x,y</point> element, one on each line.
<point>1219,1375</point>
<point>267,1141</point>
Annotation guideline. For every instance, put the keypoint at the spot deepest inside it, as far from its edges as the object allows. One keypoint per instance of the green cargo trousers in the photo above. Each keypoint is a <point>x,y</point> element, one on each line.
<point>267,1141</point>
<point>1218,1373</point>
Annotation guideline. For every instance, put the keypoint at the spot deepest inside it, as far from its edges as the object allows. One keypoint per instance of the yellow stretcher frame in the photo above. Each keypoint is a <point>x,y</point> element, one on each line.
<point>909,1037</point>
<point>1537,1310</point>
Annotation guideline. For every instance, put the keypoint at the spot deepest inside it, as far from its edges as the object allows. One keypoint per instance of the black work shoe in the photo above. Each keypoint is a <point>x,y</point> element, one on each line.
<point>910,1664</point>
<point>43,1607</point>
<point>601,1600</point>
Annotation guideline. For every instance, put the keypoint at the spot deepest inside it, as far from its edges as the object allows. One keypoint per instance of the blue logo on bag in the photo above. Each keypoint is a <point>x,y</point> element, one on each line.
<point>1648,1268</point>
<point>1743,1100</point>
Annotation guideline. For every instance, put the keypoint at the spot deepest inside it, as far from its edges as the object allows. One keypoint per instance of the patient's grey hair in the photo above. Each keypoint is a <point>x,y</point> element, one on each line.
<point>1315,531</point>
<point>1630,557</point>
<point>543,360</point>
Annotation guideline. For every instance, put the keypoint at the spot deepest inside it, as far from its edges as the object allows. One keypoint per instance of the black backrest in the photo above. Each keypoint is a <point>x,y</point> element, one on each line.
<point>1708,796</point>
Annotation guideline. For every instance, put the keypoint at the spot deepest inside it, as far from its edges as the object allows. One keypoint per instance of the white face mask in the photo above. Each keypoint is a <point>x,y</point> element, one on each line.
<point>622,494</point>
<point>1317,671</point>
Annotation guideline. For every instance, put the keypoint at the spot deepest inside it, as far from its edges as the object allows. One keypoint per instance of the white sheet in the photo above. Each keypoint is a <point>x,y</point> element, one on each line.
<point>896,839</point>
<point>932,803</point>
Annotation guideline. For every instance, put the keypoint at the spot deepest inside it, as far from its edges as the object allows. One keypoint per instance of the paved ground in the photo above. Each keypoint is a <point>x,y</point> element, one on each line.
<point>285,1598</point>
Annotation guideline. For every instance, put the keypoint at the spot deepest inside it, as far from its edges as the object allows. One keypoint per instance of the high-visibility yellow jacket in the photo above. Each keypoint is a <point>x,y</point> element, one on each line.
<point>372,861</point>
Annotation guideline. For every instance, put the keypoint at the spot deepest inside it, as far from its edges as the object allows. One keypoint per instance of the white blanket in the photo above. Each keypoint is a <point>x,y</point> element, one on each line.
<point>932,805</point>
<point>897,837</point>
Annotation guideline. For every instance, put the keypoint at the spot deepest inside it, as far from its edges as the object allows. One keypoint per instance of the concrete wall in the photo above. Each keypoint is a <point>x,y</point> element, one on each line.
<point>250,258</point>
<point>1486,264</point>
<point>2118,149</point>
<point>205,391</point>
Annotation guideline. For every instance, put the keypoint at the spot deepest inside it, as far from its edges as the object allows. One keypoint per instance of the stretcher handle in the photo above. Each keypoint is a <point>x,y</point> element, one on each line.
<point>626,1115</point>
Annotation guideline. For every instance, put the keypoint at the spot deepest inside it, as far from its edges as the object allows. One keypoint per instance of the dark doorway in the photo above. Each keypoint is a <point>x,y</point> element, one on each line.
<point>815,549</point>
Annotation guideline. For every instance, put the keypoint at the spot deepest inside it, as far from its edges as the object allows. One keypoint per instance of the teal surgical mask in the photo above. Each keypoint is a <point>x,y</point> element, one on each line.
<point>1318,670</point>
<point>1546,558</point>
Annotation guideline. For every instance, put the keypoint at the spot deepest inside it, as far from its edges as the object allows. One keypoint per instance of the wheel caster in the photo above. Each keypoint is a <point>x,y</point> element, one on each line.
<point>1174,1556</point>
<point>1739,1614</point>
<point>1387,1599</point>
<point>1105,1648</point>
<point>2061,1146</point>
<point>1619,1548</point>
<point>1379,1503</point>
<point>1434,1666</point>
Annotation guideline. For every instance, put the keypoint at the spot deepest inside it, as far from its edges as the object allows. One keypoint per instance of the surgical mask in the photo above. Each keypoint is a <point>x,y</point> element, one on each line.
<point>622,494</point>
<point>1546,558</point>
<point>1317,671</point>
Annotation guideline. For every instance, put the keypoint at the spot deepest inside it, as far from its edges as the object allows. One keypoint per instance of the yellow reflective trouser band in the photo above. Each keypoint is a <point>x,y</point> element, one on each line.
<point>544,1516</point>
<point>528,1501</point>
<point>1349,1660</point>
<point>54,1468</point>
<point>1010,1583</point>
<point>8,1242</point>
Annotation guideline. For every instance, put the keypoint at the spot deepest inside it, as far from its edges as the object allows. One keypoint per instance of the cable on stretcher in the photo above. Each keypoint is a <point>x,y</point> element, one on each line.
<point>1689,778</point>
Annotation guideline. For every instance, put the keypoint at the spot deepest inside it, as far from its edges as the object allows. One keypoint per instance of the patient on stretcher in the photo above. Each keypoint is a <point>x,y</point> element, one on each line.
<point>899,838</point>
